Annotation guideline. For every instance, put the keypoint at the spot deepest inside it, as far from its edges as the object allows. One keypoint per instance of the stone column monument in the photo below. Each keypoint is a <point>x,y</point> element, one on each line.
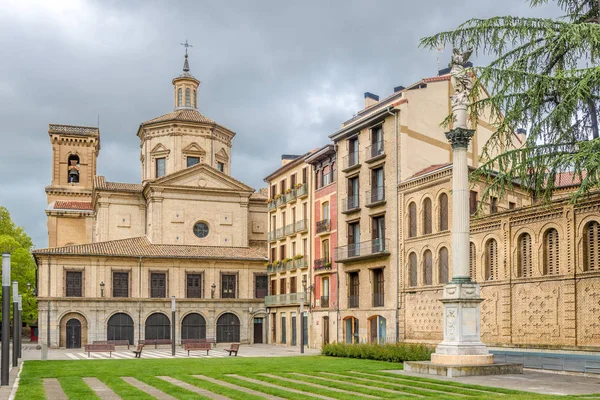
<point>462,344</point>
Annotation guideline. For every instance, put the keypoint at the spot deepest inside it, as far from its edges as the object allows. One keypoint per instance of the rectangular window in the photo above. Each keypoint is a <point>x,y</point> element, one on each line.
<point>512,205</point>
<point>325,211</point>
<point>293,181</point>
<point>273,287</point>
<point>473,202</point>
<point>378,287</point>
<point>158,285</point>
<point>377,185</point>
<point>221,166</point>
<point>282,187</point>
<point>325,250</point>
<point>304,210</point>
<point>352,152</point>
<point>228,286</point>
<point>353,188</point>
<point>120,284</point>
<point>354,290</point>
<point>273,254</point>
<point>283,329</point>
<point>74,284</point>
<point>293,286</point>
<point>304,174</point>
<point>353,239</point>
<point>194,286</point>
<point>378,234</point>
<point>260,286</point>
<point>282,285</point>
<point>161,167</point>
<point>304,247</point>
<point>282,252</point>
<point>191,161</point>
<point>493,205</point>
<point>273,190</point>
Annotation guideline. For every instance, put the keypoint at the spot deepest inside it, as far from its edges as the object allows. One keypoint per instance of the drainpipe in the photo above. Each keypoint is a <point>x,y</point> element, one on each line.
<point>395,114</point>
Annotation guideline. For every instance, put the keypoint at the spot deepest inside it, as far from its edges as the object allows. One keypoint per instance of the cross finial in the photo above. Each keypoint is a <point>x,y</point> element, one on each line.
<point>186,65</point>
<point>186,45</point>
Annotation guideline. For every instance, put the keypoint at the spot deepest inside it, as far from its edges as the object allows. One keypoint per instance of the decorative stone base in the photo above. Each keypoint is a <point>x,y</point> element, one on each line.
<point>452,359</point>
<point>454,371</point>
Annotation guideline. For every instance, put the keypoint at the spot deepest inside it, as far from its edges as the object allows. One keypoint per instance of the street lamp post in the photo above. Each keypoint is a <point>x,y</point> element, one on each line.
<point>20,330</point>
<point>302,297</point>
<point>15,352</point>
<point>173,325</point>
<point>5,319</point>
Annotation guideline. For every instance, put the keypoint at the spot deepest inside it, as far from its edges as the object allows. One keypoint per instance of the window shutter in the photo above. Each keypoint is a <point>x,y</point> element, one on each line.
<point>427,216</point>
<point>592,246</point>
<point>427,268</point>
<point>412,220</point>
<point>551,251</point>
<point>525,263</point>
<point>491,270</point>
<point>443,266</point>
<point>472,261</point>
<point>413,269</point>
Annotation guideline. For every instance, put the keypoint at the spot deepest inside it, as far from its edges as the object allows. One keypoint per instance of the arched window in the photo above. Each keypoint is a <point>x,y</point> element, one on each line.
<point>443,212</point>
<point>427,216</point>
<point>491,260</point>
<point>351,329</point>
<point>443,265</point>
<point>412,269</point>
<point>188,98</point>
<point>551,252</point>
<point>158,326</point>
<point>412,220</point>
<point>427,268</point>
<point>193,326</point>
<point>120,327</point>
<point>228,328</point>
<point>524,262</point>
<point>195,100</point>
<point>472,262</point>
<point>73,168</point>
<point>179,97</point>
<point>591,244</point>
<point>377,327</point>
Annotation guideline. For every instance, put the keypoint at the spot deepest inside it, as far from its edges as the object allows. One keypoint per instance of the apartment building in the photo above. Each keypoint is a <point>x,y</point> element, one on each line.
<point>289,243</point>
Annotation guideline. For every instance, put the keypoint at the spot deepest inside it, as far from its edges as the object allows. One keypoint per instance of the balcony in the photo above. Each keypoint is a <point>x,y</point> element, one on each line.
<point>290,229</point>
<point>280,201</point>
<point>375,197</point>
<point>352,301</point>
<point>374,152</point>
<point>350,204</point>
<point>288,299</point>
<point>271,269</point>
<point>378,300</point>
<point>290,196</point>
<point>323,226</point>
<point>322,264</point>
<point>280,233</point>
<point>301,226</point>
<point>362,251</point>
<point>302,190</point>
<point>301,262</point>
<point>271,236</point>
<point>271,205</point>
<point>350,162</point>
<point>324,301</point>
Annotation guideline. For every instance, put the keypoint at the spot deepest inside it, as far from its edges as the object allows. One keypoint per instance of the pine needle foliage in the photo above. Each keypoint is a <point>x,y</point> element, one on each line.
<point>545,79</point>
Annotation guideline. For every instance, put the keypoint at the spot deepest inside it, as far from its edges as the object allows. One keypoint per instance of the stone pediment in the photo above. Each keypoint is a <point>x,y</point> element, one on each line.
<point>202,176</point>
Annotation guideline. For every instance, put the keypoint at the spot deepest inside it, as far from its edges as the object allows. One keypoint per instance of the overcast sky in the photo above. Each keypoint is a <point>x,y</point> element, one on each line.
<point>282,74</point>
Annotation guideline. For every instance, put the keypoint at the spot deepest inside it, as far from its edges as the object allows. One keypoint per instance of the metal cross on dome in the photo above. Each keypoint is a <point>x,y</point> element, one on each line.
<point>186,45</point>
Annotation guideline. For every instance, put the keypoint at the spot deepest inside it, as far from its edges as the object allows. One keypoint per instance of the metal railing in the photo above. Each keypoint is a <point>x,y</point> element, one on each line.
<point>301,262</point>
<point>376,195</point>
<point>376,149</point>
<point>323,226</point>
<point>378,300</point>
<point>351,203</point>
<point>280,201</point>
<point>290,229</point>
<point>271,269</point>
<point>290,196</point>
<point>368,248</point>
<point>271,236</point>
<point>350,160</point>
<point>285,299</point>
<point>279,233</point>
<point>301,225</point>
<point>322,264</point>
<point>324,301</point>
<point>353,301</point>
<point>271,205</point>
<point>302,190</point>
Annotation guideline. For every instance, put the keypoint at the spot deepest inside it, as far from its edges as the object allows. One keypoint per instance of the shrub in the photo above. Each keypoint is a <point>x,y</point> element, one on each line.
<point>392,352</point>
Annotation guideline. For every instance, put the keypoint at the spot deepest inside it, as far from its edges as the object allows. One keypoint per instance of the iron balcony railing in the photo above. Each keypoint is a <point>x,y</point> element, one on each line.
<point>324,301</point>
<point>290,196</point>
<point>271,205</point>
<point>378,300</point>
<point>271,269</point>
<point>373,247</point>
<point>323,226</point>
<point>302,190</point>
<point>301,225</point>
<point>289,265</point>
<point>353,301</point>
<point>289,229</point>
<point>376,195</point>
<point>301,262</point>
<point>280,201</point>
<point>322,264</point>
<point>271,237</point>
<point>376,149</point>
<point>350,160</point>
<point>350,203</point>
<point>285,299</point>
<point>279,233</point>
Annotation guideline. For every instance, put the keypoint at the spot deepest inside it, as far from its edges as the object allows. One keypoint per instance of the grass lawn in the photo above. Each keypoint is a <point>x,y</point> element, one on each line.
<point>337,378</point>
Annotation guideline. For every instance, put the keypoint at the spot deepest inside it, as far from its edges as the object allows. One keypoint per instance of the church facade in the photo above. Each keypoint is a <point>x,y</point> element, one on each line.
<point>118,252</point>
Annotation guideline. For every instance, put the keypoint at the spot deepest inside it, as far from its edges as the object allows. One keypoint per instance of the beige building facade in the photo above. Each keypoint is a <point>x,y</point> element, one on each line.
<point>120,251</point>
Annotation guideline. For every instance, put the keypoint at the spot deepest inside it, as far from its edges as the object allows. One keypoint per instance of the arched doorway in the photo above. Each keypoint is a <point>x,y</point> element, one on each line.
<point>228,328</point>
<point>158,326</point>
<point>377,329</point>
<point>120,327</point>
<point>73,338</point>
<point>193,326</point>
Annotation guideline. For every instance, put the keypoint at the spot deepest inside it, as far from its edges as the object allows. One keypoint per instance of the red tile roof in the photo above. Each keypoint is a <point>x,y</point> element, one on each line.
<point>100,183</point>
<point>565,179</point>
<point>437,78</point>
<point>185,114</point>
<point>142,247</point>
<point>431,168</point>
<point>72,205</point>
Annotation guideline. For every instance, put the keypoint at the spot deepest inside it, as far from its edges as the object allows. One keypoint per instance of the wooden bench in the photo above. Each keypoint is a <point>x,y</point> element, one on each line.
<point>197,346</point>
<point>155,342</point>
<point>115,342</point>
<point>99,348</point>
<point>138,351</point>
<point>233,348</point>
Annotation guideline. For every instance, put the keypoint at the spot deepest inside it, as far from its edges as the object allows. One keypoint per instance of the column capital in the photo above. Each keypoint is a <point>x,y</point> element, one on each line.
<point>460,137</point>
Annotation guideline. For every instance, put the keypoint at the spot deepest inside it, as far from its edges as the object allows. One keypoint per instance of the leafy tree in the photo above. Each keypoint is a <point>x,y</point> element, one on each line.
<point>14,240</point>
<point>545,79</point>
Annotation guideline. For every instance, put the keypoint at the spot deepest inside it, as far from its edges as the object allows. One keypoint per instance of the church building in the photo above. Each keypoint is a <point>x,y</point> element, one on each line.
<point>118,252</point>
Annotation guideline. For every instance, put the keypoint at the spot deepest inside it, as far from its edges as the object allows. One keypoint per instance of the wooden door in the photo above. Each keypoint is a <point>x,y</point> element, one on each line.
<point>73,334</point>
<point>325,330</point>
<point>258,330</point>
